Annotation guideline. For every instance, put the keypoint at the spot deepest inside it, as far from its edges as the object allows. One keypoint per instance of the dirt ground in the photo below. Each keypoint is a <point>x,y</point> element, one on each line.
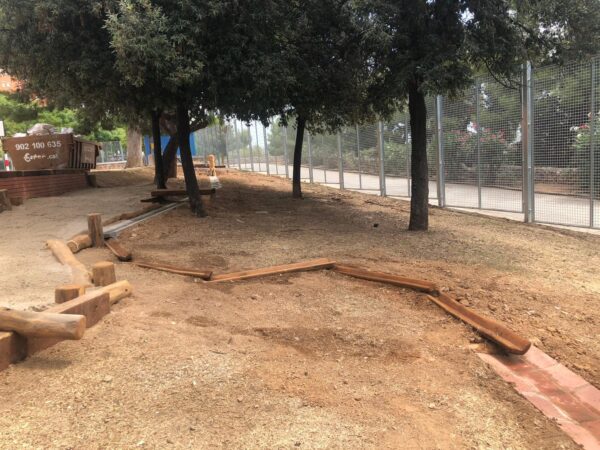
<point>311,360</point>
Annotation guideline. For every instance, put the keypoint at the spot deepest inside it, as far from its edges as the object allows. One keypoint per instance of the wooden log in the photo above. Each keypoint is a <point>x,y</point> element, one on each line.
<point>68,292</point>
<point>4,200</point>
<point>92,305</point>
<point>490,328</point>
<point>79,242</point>
<point>178,192</point>
<point>382,277</point>
<point>117,291</point>
<point>115,246</point>
<point>315,264</point>
<point>61,251</point>
<point>204,274</point>
<point>103,273</point>
<point>43,324</point>
<point>95,229</point>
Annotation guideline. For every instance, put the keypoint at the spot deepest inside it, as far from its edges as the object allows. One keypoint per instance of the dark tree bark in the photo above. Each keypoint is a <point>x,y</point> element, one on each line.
<point>419,206</point>
<point>170,158</point>
<point>191,182</point>
<point>296,174</point>
<point>159,175</point>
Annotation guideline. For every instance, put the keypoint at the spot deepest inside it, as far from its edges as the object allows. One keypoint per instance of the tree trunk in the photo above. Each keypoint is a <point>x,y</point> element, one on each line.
<point>191,182</point>
<point>296,175</point>
<point>170,158</point>
<point>134,147</point>
<point>159,175</point>
<point>419,207</point>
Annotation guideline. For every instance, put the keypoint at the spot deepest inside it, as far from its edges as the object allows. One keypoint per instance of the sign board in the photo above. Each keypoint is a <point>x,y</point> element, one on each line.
<point>88,152</point>
<point>1,128</point>
<point>40,152</point>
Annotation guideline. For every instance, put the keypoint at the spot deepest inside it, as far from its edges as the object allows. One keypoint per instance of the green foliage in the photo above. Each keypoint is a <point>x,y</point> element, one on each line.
<point>19,116</point>
<point>582,154</point>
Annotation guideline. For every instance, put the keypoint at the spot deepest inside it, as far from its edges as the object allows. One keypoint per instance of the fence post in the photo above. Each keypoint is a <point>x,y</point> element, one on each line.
<point>266,149</point>
<point>341,160</point>
<point>310,162</point>
<point>592,143</point>
<point>250,146</point>
<point>358,155</point>
<point>235,133</point>
<point>479,130</point>
<point>225,144</point>
<point>285,153</point>
<point>527,143</point>
<point>441,167</point>
<point>381,159</point>
<point>408,150</point>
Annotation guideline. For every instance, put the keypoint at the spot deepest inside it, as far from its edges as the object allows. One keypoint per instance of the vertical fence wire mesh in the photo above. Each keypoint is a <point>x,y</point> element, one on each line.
<point>562,107</point>
<point>481,139</point>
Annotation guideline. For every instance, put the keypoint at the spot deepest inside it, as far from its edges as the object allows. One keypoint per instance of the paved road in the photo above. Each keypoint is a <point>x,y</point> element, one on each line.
<point>549,208</point>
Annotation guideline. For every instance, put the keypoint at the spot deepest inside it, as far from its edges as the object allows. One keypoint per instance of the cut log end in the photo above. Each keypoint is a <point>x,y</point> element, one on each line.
<point>68,292</point>
<point>103,273</point>
<point>79,242</point>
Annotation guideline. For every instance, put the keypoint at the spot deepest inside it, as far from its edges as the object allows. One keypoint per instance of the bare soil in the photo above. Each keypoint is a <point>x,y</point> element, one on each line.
<point>310,360</point>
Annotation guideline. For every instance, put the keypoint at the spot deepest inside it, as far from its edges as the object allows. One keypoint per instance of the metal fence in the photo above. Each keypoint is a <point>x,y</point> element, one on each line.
<point>531,148</point>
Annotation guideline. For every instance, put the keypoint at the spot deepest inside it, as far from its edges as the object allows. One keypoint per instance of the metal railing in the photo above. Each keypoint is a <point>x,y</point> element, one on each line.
<point>532,148</point>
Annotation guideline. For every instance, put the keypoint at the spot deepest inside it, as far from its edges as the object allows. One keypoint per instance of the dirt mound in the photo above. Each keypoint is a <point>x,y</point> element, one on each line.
<point>138,176</point>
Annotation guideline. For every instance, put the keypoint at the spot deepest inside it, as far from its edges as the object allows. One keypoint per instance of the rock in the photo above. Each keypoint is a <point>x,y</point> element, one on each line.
<point>240,399</point>
<point>107,379</point>
<point>431,406</point>
<point>255,296</point>
<point>465,302</point>
<point>492,307</point>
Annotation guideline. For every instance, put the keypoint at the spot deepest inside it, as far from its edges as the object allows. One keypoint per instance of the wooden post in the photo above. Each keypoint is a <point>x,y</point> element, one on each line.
<point>103,273</point>
<point>68,292</point>
<point>4,200</point>
<point>95,229</point>
<point>44,325</point>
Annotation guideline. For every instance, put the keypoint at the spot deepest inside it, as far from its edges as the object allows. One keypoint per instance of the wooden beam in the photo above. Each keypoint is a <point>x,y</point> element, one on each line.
<point>204,274</point>
<point>389,278</point>
<point>79,242</point>
<point>94,305</point>
<point>62,252</point>
<point>490,328</point>
<point>178,192</point>
<point>13,348</point>
<point>42,324</point>
<point>68,292</point>
<point>115,246</point>
<point>95,229</point>
<point>315,264</point>
<point>103,273</point>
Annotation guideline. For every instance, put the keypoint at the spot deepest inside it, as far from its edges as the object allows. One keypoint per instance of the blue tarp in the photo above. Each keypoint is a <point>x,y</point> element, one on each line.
<point>149,147</point>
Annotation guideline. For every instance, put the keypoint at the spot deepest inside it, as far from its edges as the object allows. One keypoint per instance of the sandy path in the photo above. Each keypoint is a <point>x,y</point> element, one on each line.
<point>28,272</point>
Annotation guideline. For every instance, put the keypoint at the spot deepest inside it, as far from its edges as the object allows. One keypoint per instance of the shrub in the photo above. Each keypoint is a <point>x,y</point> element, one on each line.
<point>581,150</point>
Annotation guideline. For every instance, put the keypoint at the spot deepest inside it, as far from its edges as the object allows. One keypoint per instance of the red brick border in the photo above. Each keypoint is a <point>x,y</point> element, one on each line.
<point>42,183</point>
<point>557,392</point>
